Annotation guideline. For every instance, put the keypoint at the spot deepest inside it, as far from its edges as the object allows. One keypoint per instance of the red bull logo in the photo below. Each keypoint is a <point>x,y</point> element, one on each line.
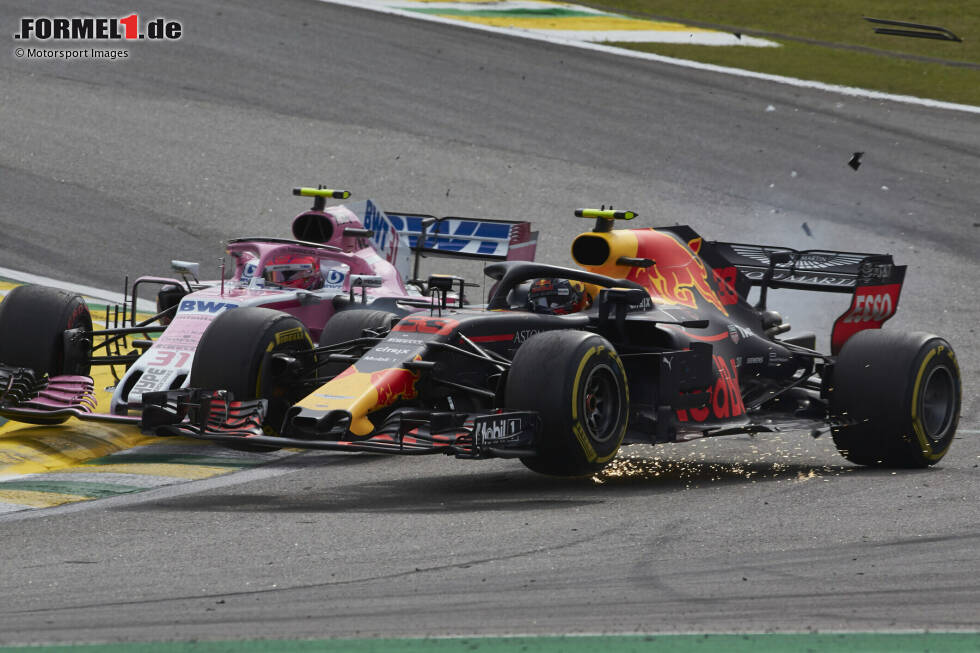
<point>725,396</point>
<point>677,274</point>
<point>394,384</point>
<point>361,393</point>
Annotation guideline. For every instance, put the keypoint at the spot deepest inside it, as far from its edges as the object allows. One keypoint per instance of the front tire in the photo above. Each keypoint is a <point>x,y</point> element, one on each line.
<point>33,320</point>
<point>898,397</point>
<point>234,354</point>
<point>577,384</point>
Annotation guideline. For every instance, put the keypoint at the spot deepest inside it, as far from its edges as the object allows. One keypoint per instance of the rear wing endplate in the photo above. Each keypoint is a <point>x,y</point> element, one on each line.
<point>398,236</point>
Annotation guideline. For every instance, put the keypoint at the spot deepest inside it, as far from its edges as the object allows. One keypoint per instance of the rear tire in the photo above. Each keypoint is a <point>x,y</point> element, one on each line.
<point>33,320</point>
<point>899,394</point>
<point>577,384</point>
<point>234,352</point>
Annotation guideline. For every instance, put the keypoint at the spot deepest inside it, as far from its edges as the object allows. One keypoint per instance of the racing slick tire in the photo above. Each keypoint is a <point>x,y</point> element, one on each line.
<point>167,297</point>
<point>577,384</point>
<point>350,325</point>
<point>33,320</point>
<point>233,354</point>
<point>897,396</point>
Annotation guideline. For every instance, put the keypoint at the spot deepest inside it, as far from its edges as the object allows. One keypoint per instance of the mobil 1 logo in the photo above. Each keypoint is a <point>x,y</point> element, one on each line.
<point>510,429</point>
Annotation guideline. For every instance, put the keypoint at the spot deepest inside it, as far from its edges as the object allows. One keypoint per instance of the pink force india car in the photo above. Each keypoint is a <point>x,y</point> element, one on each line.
<point>341,257</point>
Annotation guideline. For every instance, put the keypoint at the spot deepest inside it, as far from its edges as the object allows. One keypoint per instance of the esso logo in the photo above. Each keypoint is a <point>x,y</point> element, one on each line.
<point>871,308</point>
<point>335,277</point>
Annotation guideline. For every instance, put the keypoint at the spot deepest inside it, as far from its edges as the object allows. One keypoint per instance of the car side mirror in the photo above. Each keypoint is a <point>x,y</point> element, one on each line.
<point>186,268</point>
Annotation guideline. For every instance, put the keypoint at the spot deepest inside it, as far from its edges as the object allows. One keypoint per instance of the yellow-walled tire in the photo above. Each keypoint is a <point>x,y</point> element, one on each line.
<point>897,396</point>
<point>234,354</point>
<point>577,384</point>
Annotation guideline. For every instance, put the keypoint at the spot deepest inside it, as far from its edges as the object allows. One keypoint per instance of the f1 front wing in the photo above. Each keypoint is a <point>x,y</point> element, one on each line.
<point>216,416</point>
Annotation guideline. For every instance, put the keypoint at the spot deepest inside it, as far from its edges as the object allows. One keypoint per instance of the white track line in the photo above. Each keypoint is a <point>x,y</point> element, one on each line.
<point>779,79</point>
<point>88,291</point>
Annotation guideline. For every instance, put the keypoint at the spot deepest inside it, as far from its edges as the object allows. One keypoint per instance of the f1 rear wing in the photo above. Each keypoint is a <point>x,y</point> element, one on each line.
<point>399,236</point>
<point>873,280</point>
<point>811,269</point>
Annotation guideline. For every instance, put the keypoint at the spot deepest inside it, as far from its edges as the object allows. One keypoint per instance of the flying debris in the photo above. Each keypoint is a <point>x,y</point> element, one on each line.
<point>806,230</point>
<point>855,161</point>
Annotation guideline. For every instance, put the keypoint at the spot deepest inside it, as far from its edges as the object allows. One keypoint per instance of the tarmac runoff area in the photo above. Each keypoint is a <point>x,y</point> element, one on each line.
<point>46,466</point>
<point>561,20</point>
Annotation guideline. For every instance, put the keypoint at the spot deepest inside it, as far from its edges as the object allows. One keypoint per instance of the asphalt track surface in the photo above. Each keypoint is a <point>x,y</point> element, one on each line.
<point>109,169</point>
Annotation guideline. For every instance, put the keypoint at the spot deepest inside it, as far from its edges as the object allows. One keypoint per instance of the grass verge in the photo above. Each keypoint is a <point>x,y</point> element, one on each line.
<point>829,41</point>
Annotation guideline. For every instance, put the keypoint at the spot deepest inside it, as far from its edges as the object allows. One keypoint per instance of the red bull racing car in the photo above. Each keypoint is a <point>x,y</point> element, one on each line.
<point>652,339</point>
<point>341,257</point>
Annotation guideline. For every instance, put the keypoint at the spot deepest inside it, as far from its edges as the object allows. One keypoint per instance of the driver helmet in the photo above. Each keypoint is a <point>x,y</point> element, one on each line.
<point>294,271</point>
<point>557,296</point>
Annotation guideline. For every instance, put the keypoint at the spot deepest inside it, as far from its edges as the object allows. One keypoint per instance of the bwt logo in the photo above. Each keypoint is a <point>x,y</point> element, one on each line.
<point>385,238</point>
<point>335,277</point>
<point>199,306</point>
<point>44,28</point>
